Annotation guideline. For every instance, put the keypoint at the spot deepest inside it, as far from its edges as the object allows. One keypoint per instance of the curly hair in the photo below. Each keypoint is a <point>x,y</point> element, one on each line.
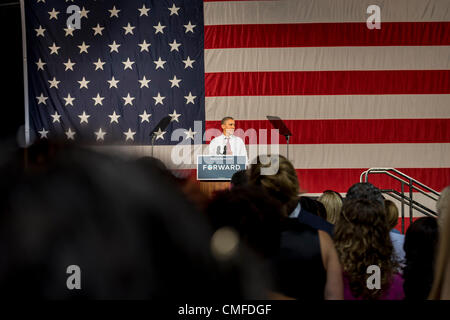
<point>362,239</point>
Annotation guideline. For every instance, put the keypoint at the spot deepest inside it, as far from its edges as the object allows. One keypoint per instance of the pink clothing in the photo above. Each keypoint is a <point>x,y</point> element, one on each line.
<point>395,291</point>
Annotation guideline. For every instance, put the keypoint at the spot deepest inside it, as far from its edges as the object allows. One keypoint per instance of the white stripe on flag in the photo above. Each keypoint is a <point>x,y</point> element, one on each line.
<point>329,107</point>
<point>317,156</point>
<point>327,59</point>
<point>307,11</point>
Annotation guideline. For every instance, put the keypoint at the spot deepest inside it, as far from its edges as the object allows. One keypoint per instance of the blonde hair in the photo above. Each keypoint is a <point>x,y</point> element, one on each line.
<point>333,205</point>
<point>441,284</point>
<point>283,185</point>
<point>391,213</point>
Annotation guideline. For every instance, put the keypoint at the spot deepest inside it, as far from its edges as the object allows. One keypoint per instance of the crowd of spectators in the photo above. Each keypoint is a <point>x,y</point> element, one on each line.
<point>136,231</point>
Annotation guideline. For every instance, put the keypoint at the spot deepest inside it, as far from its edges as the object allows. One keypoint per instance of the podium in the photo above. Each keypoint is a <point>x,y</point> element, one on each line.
<point>214,172</point>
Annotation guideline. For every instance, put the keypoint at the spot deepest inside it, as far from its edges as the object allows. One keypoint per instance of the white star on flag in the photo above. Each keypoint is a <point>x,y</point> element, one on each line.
<point>144,82</point>
<point>175,82</point>
<point>113,82</point>
<point>189,27</point>
<point>128,29</point>
<point>114,117</point>
<point>159,28</point>
<point>174,10</point>
<point>129,135</point>
<point>83,48</point>
<point>190,98</point>
<point>144,11</point>
<point>69,65</point>
<point>114,47</point>
<point>54,49</point>
<point>128,64</point>
<point>159,99</point>
<point>83,83</point>
<point>99,64</point>
<point>42,99</point>
<point>40,64</point>
<point>188,63</point>
<point>53,14</point>
<point>174,116</point>
<point>128,100</point>
<point>43,133</point>
<point>69,100</point>
<point>54,83</point>
<point>83,13</point>
<point>55,117</point>
<point>98,30</point>
<point>114,12</point>
<point>100,134</point>
<point>70,134</point>
<point>40,31</point>
<point>174,45</point>
<point>144,46</point>
<point>159,63</point>
<point>144,116</point>
<point>160,134</point>
<point>98,100</point>
<point>190,134</point>
<point>84,117</point>
<point>69,31</point>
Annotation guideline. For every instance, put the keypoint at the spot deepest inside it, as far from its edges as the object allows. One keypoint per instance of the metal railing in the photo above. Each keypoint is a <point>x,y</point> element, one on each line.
<point>405,198</point>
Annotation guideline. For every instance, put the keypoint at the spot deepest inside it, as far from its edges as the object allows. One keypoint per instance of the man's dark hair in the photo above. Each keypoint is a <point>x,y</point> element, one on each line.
<point>239,179</point>
<point>366,191</point>
<point>226,118</point>
<point>313,206</point>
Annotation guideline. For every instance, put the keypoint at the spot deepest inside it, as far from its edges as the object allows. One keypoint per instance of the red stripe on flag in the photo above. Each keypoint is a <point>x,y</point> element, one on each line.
<point>327,82</point>
<point>340,180</point>
<point>349,131</point>
<point>327,35</point>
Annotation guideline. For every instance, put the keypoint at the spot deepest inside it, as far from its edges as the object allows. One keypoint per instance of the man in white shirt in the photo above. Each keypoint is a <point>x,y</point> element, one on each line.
<point>227,143</point>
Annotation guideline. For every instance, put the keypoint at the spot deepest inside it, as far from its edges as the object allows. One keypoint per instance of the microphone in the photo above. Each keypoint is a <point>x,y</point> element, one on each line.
<point>224,149</point>
<point>218,149</point>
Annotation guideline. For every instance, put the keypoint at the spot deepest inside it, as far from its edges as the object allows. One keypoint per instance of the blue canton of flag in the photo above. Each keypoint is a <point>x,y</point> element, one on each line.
<point>130,64</point>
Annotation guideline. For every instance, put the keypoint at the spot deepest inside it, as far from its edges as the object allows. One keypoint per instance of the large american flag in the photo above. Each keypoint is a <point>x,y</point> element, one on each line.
<point>130,64</point>
<point>353,97</point>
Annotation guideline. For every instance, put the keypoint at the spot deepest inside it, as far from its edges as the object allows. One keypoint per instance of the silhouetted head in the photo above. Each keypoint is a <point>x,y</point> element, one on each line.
<point>132,233</point>
<point>253,213</point>
<point>239,179</point>
<point>313,206</point>
<point>420,247</point>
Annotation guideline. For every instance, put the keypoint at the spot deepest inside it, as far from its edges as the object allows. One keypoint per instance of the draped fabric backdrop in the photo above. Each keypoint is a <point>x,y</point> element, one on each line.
<point>354,98</point>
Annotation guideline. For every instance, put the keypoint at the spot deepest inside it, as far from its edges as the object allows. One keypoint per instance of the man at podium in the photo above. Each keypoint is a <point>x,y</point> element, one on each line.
<point>227,143</point>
